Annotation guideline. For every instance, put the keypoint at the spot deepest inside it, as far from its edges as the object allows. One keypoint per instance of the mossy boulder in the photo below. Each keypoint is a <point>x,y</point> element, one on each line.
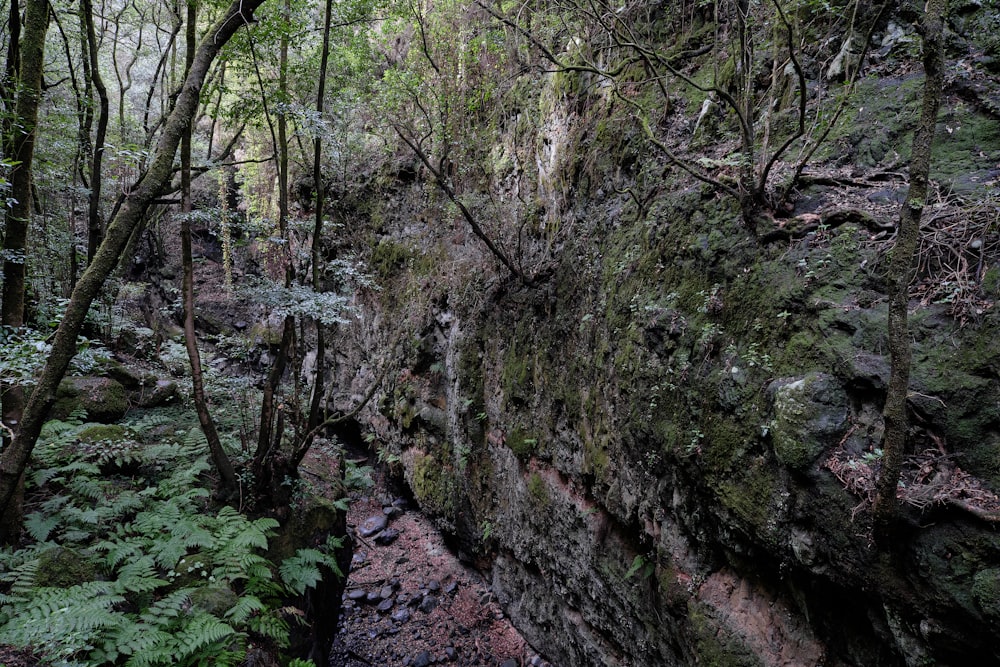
<point>215,600</point>
<point>62,567</point>
<point>103,399</point>
<point>810,414</point>
<point>154,392</point>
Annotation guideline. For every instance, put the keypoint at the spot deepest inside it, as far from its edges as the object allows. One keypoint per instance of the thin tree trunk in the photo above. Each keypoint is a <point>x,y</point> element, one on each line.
<point>319,381</point>
<point>227,475</point>
<point>901,267</point>
<point>95,226</point>
<point>15,242</point>
<point>270,435</point>
<point>150,185</point>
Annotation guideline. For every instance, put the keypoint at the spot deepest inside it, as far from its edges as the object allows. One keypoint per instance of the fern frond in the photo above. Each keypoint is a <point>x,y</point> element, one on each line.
<point>245,607</point>
<point>302,570</point>
<point>22,578</point>
<point>201,630</point>
<point>272,627</point>
<point>170,606</point>
<point>52,617</point>
<point>87,487</point>
<point>139,576</point>
<point>40,525</point>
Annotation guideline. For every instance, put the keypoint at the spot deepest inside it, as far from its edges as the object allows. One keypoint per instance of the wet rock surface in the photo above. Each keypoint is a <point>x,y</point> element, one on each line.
<point>411,603</point>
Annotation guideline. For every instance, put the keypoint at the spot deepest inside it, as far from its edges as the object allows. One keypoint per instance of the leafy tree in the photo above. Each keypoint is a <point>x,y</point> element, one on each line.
<point>127,217</point>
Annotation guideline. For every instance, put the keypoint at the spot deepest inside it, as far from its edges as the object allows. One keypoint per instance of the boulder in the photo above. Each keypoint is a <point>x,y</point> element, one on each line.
<point>104,400</point>
<point>810,414</point>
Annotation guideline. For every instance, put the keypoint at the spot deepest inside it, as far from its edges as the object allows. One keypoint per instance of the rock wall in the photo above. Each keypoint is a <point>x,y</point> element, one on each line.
<point>664,450</point>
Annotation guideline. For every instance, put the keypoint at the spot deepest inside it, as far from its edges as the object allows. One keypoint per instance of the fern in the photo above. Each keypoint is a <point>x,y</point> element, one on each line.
<point>156,544</point>
<point>40,525</point>
<point>302,570</point>
<point>201,631</point>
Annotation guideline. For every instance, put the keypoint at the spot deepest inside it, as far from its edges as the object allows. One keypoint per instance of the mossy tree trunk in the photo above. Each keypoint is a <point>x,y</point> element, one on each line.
<point>133,207</point>
<point>901,269</point>
<point>95,226</point>
<point>31,53</point>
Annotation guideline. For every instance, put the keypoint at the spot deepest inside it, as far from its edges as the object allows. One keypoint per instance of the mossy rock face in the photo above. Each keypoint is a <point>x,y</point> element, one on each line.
<point>986,591</point>
<point>810,413</point>
<point>103,399</point>
<point>61,567</point>
<point>434,485</point>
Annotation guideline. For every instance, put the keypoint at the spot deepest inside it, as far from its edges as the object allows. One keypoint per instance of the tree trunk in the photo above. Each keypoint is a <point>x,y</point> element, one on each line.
<point>95,226</point>
<point>901,266</point>
<point>15,457</point>
<point>15,242</point>
<point>227,475</point>
<point>319,382</point>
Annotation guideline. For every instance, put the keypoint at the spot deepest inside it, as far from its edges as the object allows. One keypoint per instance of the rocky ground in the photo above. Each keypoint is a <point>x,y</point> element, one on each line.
<point>411,603</point>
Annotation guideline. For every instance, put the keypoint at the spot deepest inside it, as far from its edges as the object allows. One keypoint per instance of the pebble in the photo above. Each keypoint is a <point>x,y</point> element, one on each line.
<point>423,659</point>
<point>387,536</point>
<point>401,615</point>
<point>509,663</point>
<point>384,606</point>
<point>386,592</point>
<point>372,596</point>
<point>391,511</point>
<point>428,604</point>
<point>356,593</point>
<point>451,587</point>
<point>433,585</point>
<point>372,525</point>
<point>450,652</point>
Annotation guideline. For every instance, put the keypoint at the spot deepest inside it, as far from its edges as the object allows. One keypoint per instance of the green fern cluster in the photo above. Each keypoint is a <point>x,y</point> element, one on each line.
<point>160,577</point>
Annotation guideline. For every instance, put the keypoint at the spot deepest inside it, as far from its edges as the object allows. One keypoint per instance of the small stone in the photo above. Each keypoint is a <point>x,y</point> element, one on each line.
<point>428,604</point>
<point>391,511</point>
<point>372,596</point>
<point>401,503</point>
<point>386,592</point>
<point>384,606</point>
<point>356,594</point>
<point>536,661</point>
<point>423,659</point>
<point>401,560</point>
<point>451,587</point>
<point>401,615</point>
<point>387,537</point>
<point>509,663</point>
<point>359,558</point>
<point>372,525</point>
<point>450,652</point>
<point>433,585</point>
<point>394,582</point>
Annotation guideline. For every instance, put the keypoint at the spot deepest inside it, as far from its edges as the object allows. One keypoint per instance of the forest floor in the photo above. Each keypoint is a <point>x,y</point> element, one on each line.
<point>410,602</point>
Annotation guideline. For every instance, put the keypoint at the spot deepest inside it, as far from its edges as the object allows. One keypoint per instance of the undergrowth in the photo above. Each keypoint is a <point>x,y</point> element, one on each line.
<point>128,562</point>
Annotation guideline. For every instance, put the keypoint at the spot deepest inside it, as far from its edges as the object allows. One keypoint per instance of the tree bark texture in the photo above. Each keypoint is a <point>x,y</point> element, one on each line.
<point>148,188</point>
<point>901,268</point>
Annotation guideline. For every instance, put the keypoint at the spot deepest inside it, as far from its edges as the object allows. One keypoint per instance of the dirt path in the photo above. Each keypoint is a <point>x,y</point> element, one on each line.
<point>411,603</point>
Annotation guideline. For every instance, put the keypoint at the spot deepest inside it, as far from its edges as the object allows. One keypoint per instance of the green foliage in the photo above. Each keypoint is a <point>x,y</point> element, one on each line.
<point>163,579</point>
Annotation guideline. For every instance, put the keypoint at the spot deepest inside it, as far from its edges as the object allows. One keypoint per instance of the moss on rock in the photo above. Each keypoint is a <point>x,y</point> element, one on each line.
<point>810,413</point>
